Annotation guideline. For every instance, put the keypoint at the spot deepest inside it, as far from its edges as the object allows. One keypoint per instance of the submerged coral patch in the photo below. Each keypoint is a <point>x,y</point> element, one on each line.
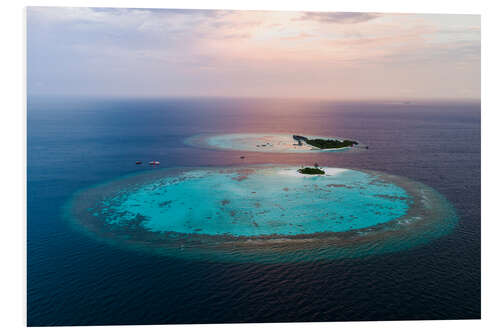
<point>264,213</point>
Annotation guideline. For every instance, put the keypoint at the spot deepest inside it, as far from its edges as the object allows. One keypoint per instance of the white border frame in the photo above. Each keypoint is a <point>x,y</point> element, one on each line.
<point>13,148</point>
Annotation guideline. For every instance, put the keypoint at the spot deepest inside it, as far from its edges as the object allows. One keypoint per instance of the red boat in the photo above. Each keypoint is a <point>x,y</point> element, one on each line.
<point>138,162</point>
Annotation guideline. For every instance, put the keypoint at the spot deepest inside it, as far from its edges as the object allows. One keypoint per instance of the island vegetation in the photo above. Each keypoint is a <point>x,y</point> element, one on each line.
<point>325,143</point>
<point>311,171</point>
<point>329,144</point>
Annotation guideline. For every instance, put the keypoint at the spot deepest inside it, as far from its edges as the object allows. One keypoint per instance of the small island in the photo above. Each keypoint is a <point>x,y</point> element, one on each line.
<point>311,171</point>
<point>273,142</point>
<point>325,143</point>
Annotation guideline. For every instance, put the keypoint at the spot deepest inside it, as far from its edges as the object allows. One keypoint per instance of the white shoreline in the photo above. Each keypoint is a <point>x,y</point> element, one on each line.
<point>295,173</point>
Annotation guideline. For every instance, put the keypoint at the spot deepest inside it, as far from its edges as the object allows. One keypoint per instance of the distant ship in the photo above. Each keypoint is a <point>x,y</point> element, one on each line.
<point>154,163</point>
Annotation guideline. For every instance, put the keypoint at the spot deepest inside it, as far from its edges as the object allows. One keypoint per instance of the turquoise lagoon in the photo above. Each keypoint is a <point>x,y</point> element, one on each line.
<point>259,142</point>
<point>264,213</point>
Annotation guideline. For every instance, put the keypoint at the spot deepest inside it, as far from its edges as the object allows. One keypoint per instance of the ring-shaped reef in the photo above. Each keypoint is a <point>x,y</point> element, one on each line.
<point>270,142</point>
<point>263,213</point>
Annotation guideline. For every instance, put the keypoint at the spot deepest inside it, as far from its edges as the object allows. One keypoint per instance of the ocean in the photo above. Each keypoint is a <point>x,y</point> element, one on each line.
<point>75,279</point>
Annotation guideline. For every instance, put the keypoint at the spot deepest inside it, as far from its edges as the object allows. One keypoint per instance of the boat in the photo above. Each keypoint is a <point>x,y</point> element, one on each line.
<point>154,163</point>
<point>138,162</point>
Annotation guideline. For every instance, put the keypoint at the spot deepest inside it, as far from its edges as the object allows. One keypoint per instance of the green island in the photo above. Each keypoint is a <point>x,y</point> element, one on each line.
<point>311,171</point>
<point>325,143</point>
<point>328,144</point>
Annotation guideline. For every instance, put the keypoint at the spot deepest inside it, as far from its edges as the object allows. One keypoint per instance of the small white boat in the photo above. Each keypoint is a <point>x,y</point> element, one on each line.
<point>154,163</point>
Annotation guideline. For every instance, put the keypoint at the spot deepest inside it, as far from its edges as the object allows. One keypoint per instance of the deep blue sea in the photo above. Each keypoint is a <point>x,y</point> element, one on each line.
<point>74,279</point>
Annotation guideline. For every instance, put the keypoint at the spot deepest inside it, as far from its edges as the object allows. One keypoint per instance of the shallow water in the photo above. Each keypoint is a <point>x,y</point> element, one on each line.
<point>77,279</point>
<point>261,142</point>
<point>263,213</point>
<point>262,201</point>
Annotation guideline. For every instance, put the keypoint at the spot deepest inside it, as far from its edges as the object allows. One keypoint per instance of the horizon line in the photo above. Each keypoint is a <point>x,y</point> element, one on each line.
<point>326,99</point>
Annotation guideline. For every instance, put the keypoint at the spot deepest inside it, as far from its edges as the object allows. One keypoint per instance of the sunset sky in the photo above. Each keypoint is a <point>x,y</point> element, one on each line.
<point>151,52</point>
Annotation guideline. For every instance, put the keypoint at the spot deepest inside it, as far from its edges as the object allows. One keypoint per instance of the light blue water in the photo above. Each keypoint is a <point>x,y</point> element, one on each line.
<point>261,142</point>
<point>260,201</point>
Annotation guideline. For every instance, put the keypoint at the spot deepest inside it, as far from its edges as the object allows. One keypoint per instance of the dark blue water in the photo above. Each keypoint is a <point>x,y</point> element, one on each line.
<point>74,279</point>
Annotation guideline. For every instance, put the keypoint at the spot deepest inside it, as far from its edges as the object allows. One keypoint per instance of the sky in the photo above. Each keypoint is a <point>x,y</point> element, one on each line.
<point>216,53</point>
